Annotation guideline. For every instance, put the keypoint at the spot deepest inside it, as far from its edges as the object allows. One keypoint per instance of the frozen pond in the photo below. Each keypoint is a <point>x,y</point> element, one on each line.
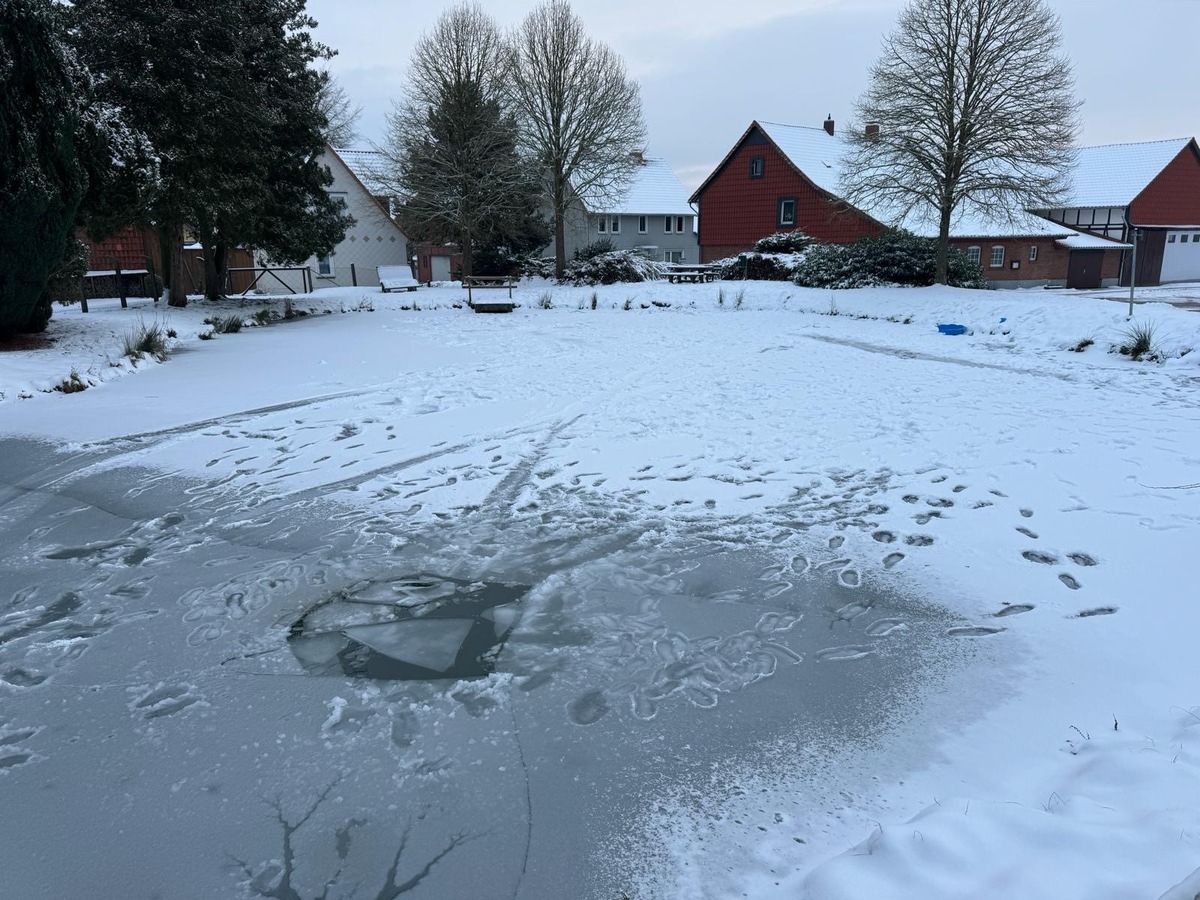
<point>205,688</point>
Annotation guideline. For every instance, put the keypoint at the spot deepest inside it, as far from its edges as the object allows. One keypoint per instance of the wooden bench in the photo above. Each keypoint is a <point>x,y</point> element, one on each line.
<point>681,272</point>
<point>396,278</point>
<point>490,282</point>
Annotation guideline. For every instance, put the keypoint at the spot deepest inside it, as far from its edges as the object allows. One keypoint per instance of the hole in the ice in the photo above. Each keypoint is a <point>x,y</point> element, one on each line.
<point>411,628</point>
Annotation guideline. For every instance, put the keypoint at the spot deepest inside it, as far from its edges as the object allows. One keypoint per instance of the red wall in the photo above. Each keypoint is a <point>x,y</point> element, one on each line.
<point>736,210</point>
<point>1051,265</point>
<point>1173,197</point>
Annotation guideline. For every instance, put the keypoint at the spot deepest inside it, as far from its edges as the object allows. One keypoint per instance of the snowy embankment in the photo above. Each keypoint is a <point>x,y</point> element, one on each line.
<point>1046,497</point>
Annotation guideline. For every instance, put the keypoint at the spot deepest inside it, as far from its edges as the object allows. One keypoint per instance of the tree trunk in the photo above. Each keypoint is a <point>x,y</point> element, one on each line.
<point>468,255</point>
<point>560,232</point>
<point>164,257</point>
<point>222,267</point>
<point>943,248</point>
<point>178,295</point>
<point>212,277</point>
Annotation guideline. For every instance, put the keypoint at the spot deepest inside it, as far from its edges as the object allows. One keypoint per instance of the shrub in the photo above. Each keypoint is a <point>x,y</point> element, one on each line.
<point>227,325</point>
<point>72,385</point>
<point>66,280</point>
<point>594,249</point>
<point>265,316</point>
<point>783,242</point>
<point>894,256</point>
<point>546,300</point>
<point>145,340</point>
<point>595,299</point>
<point>611,268</point>
<point>1082,344</point>
<point>206,335</point>
<point>537,267</point>
<point>755,266</point>
<point>1139,342</point>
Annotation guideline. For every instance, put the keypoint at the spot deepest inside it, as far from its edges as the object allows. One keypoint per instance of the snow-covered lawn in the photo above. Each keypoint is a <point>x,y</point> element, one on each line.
<point>811,600</point>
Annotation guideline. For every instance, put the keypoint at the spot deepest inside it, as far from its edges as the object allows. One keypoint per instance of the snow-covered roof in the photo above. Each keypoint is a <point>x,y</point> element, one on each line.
<point>1110,175</point>
<point>1114,174</point>
<point>368,167</point>
<point>653,190</point>
<point>814,151</point>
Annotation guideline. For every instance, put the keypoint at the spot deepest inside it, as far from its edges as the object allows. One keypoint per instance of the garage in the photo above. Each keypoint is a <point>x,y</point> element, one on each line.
<point>1181,256</point>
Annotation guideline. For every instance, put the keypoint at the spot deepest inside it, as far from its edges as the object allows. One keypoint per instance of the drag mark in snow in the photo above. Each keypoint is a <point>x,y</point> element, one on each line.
<point>929,357</point>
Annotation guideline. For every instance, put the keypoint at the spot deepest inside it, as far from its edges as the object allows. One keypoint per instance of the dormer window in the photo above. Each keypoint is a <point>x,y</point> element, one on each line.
<point>758,166</point>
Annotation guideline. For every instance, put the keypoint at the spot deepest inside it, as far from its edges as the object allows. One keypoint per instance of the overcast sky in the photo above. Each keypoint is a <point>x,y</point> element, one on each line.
<point>707,68</point>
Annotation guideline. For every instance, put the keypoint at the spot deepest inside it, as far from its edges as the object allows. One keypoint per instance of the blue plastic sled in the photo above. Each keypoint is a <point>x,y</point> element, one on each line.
<point>952,329</point>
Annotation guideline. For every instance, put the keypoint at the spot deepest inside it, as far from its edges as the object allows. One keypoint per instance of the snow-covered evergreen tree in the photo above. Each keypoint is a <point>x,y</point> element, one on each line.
<point>226,95</point>
<point>41,179</point>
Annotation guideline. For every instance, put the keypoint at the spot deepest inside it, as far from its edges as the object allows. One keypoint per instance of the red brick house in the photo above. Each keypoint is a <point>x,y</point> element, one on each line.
<point>1152,186</point>
<point>786,177</point>
<point>776,178</point>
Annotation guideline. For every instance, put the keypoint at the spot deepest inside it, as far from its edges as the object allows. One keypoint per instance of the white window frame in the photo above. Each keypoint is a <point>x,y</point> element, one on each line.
<point>325,265</point>
<point>997,258</point>
<point>679,226</point>
<point>602,225</point>
<point>1033,252</point>
<point>673,256</point>
<point>667,224</point>
<point>784,220</point>
<point>615,226</point>
<point>642,223</point>
<point>758,166</point>
<point>975,254</point>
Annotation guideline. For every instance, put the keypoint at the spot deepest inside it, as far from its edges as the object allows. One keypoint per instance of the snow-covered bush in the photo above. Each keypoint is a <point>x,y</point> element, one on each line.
<point>894,256</point>
<point>755,266</point>
<point>595,248</point>
<point>783,242</point>
<point>611,268</point>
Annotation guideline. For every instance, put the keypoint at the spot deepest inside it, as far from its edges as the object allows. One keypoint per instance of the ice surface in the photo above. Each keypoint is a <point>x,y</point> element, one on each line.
<point>430,643</point>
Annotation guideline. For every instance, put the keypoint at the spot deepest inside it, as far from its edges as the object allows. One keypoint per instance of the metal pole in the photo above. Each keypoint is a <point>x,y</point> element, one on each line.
<point>1133,271</point>
<point>353,275</point>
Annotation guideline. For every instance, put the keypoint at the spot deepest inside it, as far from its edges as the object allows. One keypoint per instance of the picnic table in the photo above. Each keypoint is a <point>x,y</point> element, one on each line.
<point>490,282</point>
<point>680,272</point>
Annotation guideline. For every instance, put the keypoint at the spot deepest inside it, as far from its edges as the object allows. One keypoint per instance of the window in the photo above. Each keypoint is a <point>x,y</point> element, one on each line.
<point>673,256</point>
<point>1196,238</point>
<point>641,224</point>
<point>997,257</point>
<point>325,265</point>
<point>615,227</point>
<point>787,211</point>
<point>974,254</point>
<point>603,226</point>
<point>679,224</point>
<point>758,165</point>
<point>1170,238</point>
<point>668,224</point>
<point>1033,253</point>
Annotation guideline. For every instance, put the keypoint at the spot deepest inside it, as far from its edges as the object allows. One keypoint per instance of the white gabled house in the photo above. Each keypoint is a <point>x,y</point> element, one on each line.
<point>652,215</point>
<point>374,240</point>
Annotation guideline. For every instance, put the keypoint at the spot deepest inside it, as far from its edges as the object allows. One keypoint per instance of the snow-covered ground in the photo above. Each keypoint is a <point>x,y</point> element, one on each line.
<point>786,595</point>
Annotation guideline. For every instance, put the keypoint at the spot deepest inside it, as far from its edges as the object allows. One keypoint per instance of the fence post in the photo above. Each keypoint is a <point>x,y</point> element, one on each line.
<point>120,285</point>
<point>353,275</point>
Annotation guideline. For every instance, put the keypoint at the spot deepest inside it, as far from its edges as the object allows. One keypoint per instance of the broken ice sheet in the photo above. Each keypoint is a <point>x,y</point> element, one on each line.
<point>430,643</point>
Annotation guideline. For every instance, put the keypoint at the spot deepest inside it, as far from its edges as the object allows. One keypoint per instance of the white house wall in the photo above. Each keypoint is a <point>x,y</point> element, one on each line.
<point>374,240</point>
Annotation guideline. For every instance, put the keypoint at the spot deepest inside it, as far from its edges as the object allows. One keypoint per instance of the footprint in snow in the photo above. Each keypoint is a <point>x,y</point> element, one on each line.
<point>166,700</point>
<point>1098,611</point>
<point>1014,609</point>
<point>974,631</point>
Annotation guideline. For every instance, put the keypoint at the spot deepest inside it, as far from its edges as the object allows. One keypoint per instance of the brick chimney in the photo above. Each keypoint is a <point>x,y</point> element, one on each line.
<point>829,124</point>
<point>872,130</point>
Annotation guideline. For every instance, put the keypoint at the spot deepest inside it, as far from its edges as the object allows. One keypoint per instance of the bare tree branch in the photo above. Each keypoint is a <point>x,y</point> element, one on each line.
<point>581,111</point>
<point>976,110</point>
<point>340,112</point>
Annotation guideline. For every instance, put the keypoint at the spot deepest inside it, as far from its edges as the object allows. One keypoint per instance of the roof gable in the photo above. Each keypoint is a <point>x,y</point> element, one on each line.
<point>654,189</point>
<point>1114,174</point>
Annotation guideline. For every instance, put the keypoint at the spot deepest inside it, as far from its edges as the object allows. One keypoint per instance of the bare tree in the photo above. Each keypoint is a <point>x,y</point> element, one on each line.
<point>973,109</point>
<point>340,113</point>
<point>454,144</point>
<point>581,111</point>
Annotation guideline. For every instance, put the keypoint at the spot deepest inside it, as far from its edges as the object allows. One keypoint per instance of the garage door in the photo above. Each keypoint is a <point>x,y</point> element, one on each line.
<point>1181,256</point>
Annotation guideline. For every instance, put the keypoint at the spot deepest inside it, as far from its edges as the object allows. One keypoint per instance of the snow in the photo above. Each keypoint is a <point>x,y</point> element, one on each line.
<point>824,604</point>
<point>653,190</point>
<point>1114,174</point>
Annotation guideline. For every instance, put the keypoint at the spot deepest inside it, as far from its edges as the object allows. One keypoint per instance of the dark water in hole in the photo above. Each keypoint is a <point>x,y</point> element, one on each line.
<point>411,628</point>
